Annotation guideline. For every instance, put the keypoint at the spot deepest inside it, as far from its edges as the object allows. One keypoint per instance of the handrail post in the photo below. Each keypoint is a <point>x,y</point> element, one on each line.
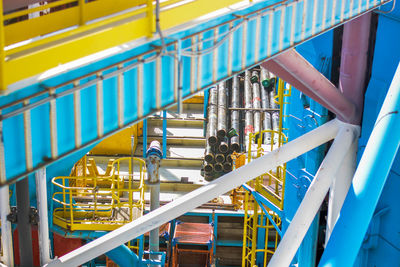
<point>2,44</point>
<point>150,15</point>
<point>81,4</point>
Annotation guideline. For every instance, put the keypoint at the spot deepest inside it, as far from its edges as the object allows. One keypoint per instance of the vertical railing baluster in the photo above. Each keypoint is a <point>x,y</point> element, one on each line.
<point>293,23</point>
<point>215,57</point>
<point>304,21</point>
<point>120,93</point>
<point>200,61</point>
<point>314,18</point>
<point>282,28</point>
<point>230,50</point>
<point>193,61</point>
<point>257,44</point>
<point>77,116</point>
<point>324,15</point>
<point>158,82</point>
<point>333,18</point>
<point>164,113</point>
<point>100,106</point>
<point>175,75</point>
<point>2,158</point>
<point>270,29</point>
<point>342,7</point>
<point>28,138</point>
<point>140,89</point>
<point>3,85</point>
<point>244,45</point>
<point>82,19</point>
<point>53,126</point>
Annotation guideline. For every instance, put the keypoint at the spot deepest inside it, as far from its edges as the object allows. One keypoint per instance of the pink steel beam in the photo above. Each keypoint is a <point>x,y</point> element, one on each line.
<point>354,61</point>
<point>296,70</point>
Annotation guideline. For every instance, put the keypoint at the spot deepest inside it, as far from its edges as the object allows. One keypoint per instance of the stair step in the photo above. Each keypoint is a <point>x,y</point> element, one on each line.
<point>178,152</point>
<point>173,122</point>
<point>176,131</point>
<point>187,141</point>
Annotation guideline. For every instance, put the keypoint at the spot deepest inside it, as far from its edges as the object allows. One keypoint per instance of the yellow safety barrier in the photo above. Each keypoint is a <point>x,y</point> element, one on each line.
<point>101,202</point>
<point>271,185</point>
<point>66,30</point>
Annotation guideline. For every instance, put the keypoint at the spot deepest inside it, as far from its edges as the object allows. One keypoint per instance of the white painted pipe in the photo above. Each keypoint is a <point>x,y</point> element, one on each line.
<point>341,185</point>
<point>154,237</point>
<point>41,198</point>
<point>6,234</point>
<point>201,195</point>
<point>313,199</point>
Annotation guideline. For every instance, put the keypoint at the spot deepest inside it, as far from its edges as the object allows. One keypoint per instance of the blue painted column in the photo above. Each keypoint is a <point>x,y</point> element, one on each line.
<point>368,182</point>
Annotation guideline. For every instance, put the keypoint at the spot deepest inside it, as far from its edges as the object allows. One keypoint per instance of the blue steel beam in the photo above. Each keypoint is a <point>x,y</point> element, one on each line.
<point>369,179</point>
<point>64,117</point>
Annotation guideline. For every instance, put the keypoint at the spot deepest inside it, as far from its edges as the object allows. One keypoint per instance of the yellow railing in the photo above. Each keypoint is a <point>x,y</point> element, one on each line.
<point>255,219</point>
<point>65,30</point>
<point>272,183</point>
<point>101,202</point>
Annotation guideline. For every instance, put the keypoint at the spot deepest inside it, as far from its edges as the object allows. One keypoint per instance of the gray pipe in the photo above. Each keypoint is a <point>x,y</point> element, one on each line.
<point>209,153</point>
<point>267,124</point>
<point>275,115</point>
<point>212,116</point>
<point>235,145</point>
<point>219,158</point>
<point>256,103</point>
<point>153,159</point>
<point>24,226</point>
<point>222,97</point>
<point>223,146</point>
<point>249,127</point>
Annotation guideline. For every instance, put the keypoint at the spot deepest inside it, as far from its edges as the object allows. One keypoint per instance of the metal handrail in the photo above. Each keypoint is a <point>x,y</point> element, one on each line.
<point>93,213</point>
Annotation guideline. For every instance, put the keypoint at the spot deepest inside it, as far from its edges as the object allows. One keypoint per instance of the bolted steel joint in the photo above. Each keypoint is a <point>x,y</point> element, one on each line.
<point>153,161</point>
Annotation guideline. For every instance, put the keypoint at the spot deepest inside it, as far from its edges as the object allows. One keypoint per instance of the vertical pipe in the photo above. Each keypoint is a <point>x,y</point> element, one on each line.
<point>274,115</point>
<point>212,117</point>
<point>24,227</point>
<point>313,199</point>
<point>368,182</point>
<point>265,104</point>
<point>41,197</point>
<point>256,102</point>
<point>234,144</point>
<point>144,137</point>
<point>153,159</point>
<point>164,113</point>
<point>6,230</point>
<point>222,97</point>
<point>249,128</point>
<point>354,60</point>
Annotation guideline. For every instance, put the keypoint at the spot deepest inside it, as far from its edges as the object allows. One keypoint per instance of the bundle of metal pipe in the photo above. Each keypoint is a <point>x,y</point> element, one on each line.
<point>217,157</point>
